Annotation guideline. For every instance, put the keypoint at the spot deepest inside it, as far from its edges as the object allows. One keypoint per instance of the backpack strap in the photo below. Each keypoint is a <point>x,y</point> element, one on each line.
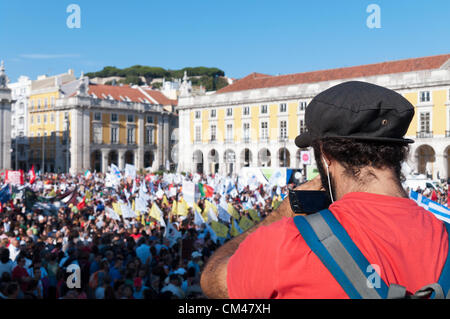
<point>444,279</point>
<point>330,242</point>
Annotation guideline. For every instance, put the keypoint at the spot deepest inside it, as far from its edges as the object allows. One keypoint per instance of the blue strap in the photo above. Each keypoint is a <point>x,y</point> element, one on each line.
<point>444,279</point>
<point>318,248</point>
<point>352,249</point>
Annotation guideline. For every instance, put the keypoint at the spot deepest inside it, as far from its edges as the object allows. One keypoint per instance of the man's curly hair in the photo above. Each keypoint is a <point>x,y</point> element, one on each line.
<point>355,154</point>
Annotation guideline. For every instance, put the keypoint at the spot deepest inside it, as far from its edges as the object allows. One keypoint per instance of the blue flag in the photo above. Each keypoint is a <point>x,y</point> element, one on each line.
<point>5,194</point>
<point>440,211</point>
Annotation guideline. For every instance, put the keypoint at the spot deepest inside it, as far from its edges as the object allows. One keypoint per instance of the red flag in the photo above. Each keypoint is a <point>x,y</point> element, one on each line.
<point>82,204</point>
<point>32,174</point>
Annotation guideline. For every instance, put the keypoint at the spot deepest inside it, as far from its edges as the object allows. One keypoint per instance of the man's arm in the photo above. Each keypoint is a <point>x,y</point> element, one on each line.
<point>214,276</point>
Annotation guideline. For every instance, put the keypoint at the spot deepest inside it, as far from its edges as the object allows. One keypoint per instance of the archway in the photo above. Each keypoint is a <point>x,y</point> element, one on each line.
<point>229,158</point>
<point>96,161</point>
<point>129,157</point>
<point>197,159</point>
<point>246,157</point>
<point>425,159</point>
<point>213,159</point>
<point>149,157</point>
<point>264,157</point>
<point>284,157</point>
<point>113,158</point>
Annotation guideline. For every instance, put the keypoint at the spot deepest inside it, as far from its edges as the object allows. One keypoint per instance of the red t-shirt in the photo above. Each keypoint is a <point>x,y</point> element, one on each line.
<point>408,243</point>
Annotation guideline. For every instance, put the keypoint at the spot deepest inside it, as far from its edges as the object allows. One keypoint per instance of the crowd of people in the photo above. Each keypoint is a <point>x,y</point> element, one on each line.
<point>58,239</point>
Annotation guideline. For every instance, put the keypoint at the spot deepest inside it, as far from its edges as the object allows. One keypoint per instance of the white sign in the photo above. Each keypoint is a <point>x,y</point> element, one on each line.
<point>305,157</point>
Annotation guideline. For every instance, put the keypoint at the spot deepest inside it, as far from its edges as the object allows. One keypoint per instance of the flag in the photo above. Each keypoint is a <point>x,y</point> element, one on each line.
<point>116,171</point>
<point>32,174</point>
<point>205,190</point>
<point>182,207</point>
<point>68,197</point>
<point>211,215</point>
<point>223,214</point>
<point>112,214</point>
<point>212,233</point>
<point>157,214</point>
<point>219,229</point>
<point>245,223</point>
<point>87,174</point>
<point>188,191</point>
<point>198,219</point>
<point>165,201</point>
<point>127,212</point>
<point>5,194</point>
<point>233,212</point>
<point>235,230</point>
<point>117,209</point>
<point>140,205</point>
<point>82,204</point>
<point>172,234</point>
<point>254,215</point>
<point>130,171</point>
<point>440,211</point>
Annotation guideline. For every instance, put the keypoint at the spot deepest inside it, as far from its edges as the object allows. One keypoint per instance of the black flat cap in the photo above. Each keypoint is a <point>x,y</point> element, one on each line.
<point>357,110</point>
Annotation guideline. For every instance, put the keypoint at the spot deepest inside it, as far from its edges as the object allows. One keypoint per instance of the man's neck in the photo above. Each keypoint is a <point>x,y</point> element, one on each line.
<point>375,181</point>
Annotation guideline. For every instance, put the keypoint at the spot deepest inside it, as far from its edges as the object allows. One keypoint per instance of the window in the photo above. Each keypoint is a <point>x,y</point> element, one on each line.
<point>114,117</point>
<point>39,104</point>
<point>424,96</point>
<point>130,135</point>
<point>425,122</point>
<point>264,131</point>
<point>246,132</point>
<point>130,118</point>
<point>52,101</point>
<point>198,133</point>
<point>149,135</point>
<point>283,107</point>
<point>45,118</point>
<point>52,117</point>
<point>213,114</point>
<point>39,119</point>
<point>213,133</point>
<point>283,129</point>
<point>229,111</point>
<point>45,103</point>
<point>229,132</point>
<point>114,134</point>
<point>97,116</point>
<point>149,119</point>
<point>302,106</point>
<point>246,110</point>
<point>197,115</point>
<point>301,126</point>
<point>97,132</point>
<point>263,109</point>
<point>32,119</point>
<point>32,104</point>
<point>21,120</point>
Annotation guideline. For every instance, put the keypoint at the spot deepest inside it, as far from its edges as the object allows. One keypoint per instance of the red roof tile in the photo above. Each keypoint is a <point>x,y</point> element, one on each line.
<point>258,80</point>
<point>102,91</point>
<point>160,97</point>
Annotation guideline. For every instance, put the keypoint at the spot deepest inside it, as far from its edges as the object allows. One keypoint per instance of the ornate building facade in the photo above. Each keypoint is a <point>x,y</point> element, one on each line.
<point>5,120</point>
<point>254,121</point>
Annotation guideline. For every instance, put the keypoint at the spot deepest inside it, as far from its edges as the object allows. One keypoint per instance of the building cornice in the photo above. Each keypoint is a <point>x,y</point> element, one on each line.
<point>398,82</point>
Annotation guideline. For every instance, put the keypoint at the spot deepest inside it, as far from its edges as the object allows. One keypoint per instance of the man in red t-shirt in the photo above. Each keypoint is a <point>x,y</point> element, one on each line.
<point>356,130</point>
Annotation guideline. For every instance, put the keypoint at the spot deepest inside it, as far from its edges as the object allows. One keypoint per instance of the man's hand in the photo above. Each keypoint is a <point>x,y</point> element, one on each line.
<point>313,185</point>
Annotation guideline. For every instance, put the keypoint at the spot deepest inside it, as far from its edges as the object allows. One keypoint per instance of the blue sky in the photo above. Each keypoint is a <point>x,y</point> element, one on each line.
<point>238,36</point>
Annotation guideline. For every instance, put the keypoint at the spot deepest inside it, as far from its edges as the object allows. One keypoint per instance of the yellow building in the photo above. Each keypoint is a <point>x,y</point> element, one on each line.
<point>254,121</point>
<point>80,125</point>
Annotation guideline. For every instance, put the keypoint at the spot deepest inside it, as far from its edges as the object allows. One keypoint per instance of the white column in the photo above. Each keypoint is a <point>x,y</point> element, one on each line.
<point>105,153</point>
<point>139,154</point>
<point>86,135</point>
<point>121,160</point>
